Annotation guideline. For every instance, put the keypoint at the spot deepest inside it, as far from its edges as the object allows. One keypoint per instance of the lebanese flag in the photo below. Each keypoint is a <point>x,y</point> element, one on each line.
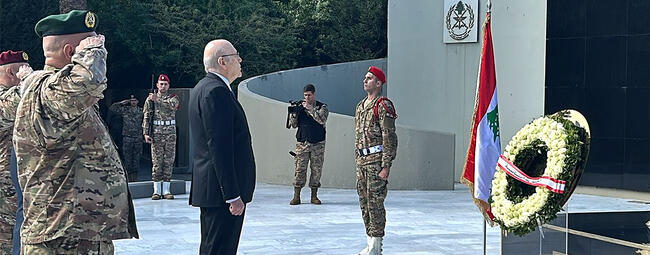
<point>484,144</point>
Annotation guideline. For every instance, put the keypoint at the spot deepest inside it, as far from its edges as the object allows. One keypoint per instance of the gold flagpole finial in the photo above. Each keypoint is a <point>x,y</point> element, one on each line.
<point>489,6</point>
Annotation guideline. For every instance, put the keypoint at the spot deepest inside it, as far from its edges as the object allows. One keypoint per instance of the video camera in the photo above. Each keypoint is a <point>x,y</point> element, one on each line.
<point>295,106</point>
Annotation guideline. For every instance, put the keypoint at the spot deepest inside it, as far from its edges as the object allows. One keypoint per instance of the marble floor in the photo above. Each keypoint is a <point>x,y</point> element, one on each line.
<point>419,222</point>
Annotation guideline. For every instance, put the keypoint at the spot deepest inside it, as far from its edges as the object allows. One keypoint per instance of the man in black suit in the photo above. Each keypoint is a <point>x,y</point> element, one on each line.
<point>223,178</point>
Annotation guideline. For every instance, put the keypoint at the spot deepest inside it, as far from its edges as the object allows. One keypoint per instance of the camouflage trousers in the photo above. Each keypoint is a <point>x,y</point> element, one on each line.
<point>132,149</point>
<point>306,152</point>
<point>7,222</point>
<point>8,206</point>
<point>163,151</point>
<point>69,246</point>
<point>372,192</point>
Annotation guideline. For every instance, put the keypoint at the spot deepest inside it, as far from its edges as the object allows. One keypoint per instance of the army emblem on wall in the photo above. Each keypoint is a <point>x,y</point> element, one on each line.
<point>460,21</point>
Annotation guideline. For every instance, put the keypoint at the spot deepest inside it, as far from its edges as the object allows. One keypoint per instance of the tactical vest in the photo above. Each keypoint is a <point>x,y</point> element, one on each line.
<point>308,129</point>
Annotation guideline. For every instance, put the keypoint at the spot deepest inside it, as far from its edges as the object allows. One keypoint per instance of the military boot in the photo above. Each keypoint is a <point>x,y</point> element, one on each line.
<point>296,196</point>
<point>314,196</point>
<point>166,191</point>
<point>375,246</point>
<point>157,187</point>
<point>365,250</point>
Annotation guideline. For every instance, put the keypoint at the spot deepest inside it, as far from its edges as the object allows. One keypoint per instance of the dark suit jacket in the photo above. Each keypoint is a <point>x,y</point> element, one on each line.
<point>224,166</point>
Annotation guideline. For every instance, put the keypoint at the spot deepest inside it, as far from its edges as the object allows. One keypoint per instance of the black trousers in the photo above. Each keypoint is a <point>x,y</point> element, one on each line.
<point>220,231</point>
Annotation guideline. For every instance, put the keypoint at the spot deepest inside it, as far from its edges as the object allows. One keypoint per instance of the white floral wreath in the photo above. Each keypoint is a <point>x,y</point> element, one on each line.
<point>553,134</point>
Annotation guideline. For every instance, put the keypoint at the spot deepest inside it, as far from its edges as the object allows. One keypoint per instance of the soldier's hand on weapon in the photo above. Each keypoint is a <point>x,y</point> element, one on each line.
<point>153,96</point>
<point>147,139</point>
<point>307,106</point>
<point>237,207</point>
<point>95,41</point>
<point>383,174</point>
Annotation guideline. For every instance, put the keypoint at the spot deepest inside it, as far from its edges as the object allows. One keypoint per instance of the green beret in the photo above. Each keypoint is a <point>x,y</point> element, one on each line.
<point>69,23</point>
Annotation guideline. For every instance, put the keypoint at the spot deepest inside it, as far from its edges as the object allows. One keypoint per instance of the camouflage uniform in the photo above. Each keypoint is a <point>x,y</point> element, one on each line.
<point>372,130</point>
<point>9,99</point>
<point>163,148</point>
<point>74,186</point>
<point>71,246</point>
<point>306,151</point>
<point>131,136</point>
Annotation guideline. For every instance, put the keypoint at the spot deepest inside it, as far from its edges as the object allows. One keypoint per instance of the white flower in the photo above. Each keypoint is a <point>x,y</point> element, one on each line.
<point>554,135</point>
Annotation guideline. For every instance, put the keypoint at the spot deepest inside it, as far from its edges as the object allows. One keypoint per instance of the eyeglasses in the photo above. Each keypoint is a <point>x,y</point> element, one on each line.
<point>228,55</point>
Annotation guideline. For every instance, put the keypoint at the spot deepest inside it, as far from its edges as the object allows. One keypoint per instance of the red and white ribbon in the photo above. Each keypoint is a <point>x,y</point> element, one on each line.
<point>551,184</point>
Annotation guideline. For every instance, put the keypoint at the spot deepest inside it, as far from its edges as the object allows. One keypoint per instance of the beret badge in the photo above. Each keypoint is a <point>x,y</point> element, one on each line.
<point>90,20</point>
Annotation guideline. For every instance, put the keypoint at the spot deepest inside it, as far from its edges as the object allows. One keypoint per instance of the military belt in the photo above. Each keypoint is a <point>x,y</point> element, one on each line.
<point>164,122</point>
<point>369,150</point>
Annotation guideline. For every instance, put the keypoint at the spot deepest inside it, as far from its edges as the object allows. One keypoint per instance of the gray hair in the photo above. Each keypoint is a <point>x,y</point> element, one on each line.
<point>210,60</point>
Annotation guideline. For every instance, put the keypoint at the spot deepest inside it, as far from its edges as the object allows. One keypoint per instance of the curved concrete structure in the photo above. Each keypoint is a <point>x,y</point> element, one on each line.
<point>425,159</point>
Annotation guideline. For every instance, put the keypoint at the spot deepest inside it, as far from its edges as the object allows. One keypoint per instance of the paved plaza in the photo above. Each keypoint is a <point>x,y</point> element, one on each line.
<point>419,222</point>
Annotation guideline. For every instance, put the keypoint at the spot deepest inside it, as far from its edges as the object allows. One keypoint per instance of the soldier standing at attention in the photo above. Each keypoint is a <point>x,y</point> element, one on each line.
<point>376,146</point>
<point>75,194</point>
<point>131,138</point>
<point>10,63</point>
<point>163,138</point>
<point>309,117</point>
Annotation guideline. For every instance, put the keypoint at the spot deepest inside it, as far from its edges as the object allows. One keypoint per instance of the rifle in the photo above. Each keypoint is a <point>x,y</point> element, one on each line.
<point>152,109</point>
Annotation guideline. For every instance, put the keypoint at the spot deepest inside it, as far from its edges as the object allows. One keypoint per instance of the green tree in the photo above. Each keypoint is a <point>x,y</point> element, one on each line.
<point>17,20</point>
<point>333,31</point>
<point>68,5</point>
<point>167,36</point>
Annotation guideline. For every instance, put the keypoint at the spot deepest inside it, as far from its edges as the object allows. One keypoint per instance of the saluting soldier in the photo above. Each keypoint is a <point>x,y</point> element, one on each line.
<point>10,64</point>
<point>375,148</point>
<point>131,134</point>
<point>163,138</point>
<point>76,198</point>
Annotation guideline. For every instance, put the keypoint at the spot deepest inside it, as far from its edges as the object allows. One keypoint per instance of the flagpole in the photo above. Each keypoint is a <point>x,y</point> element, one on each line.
<point>484,237</point>
<point>489,11</point>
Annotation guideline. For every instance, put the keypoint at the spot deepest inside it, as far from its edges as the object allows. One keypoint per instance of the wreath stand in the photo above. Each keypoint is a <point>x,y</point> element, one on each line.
<point>559,229</point>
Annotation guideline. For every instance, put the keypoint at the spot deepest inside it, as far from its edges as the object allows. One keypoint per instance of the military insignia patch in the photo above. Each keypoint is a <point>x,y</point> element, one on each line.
<point>90,20</point>
<point>25,57</point>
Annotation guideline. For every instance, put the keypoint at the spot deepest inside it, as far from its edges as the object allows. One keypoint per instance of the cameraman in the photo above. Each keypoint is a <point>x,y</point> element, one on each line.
<point>309,116</point>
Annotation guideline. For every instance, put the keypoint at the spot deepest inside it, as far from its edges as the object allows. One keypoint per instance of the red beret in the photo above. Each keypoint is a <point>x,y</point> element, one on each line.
<point>8,57</point>
<point>378,73</point>
<point>163,77</point>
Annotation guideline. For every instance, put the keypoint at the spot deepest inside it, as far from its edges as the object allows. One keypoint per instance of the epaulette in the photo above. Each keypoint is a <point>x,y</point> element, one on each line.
<point>387,105</point>
<point>172,95</point>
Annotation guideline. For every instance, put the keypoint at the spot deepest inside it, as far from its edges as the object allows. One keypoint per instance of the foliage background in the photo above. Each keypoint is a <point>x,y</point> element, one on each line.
<point>146,37</point>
